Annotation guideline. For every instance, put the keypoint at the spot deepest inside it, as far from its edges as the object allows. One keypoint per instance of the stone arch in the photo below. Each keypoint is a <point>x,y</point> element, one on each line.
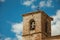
<point>32,24</point>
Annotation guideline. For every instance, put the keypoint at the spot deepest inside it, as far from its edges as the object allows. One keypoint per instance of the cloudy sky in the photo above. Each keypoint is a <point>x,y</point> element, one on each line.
<point>11,20</point>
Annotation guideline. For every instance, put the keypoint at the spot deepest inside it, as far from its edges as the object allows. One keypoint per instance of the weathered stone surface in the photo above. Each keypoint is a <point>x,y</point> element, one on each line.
<point>39,33</point>
<point>26,26</point>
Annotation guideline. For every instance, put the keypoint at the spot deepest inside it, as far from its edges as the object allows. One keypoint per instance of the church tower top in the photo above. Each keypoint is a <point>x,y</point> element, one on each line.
<point>36,25</point>
<point>31,13</point>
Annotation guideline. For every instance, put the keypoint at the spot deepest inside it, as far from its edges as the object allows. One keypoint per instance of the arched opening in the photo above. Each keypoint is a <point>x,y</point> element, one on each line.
<point>32,24</point>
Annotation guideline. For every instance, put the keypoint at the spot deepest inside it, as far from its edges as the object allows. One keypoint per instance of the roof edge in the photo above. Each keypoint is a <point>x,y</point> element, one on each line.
<point>32,13</point>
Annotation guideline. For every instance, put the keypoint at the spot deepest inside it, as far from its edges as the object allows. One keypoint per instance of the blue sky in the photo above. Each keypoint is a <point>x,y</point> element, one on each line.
<point>11,19</point>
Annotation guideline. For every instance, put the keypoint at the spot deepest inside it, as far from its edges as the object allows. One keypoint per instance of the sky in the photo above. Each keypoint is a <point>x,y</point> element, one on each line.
<point>11,19</point>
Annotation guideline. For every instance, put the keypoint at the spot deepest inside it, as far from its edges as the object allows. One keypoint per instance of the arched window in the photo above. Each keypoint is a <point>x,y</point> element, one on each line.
<point>32,24</point>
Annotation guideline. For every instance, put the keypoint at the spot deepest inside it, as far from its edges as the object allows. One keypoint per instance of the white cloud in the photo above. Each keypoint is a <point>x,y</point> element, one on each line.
<point>47,3</point>
<point>56,24</point>
<point>2,0</point>
<point>42,3</point>
<point>33,6</point>
<point>14,38</point>
<point>19,37</point>
<point>8,38</point>
<point>17,28</point>
<point>28,2</point>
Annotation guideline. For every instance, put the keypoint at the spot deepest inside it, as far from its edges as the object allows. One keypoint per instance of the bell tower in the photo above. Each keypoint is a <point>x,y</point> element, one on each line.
<point>36,26</point>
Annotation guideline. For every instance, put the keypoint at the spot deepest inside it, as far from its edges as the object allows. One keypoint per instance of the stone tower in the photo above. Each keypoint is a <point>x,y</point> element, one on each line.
<point>36,26</point>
